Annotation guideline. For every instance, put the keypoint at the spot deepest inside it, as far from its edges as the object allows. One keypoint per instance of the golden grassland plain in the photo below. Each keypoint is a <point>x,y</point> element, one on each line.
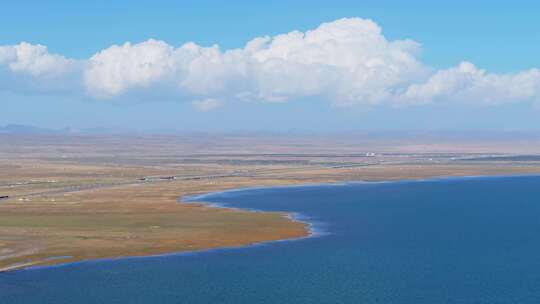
<point>75,198</point>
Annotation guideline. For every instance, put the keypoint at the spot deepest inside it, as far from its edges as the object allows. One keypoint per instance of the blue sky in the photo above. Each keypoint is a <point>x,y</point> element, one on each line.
<point>501,38</point>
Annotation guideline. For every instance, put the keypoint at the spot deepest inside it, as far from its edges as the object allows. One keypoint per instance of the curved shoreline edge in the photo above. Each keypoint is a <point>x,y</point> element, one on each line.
<point>313,227</point>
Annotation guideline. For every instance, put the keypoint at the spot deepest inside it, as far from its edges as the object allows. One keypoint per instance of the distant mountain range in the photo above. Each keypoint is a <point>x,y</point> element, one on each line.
<point>367,134</point>
<point>27,129</point>
<point>24,129</point>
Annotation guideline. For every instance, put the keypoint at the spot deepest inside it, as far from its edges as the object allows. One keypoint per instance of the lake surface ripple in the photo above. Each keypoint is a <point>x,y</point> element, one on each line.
<point>466,240</point>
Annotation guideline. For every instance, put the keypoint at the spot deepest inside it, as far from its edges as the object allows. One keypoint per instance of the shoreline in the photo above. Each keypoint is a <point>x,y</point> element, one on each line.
<point>199,197</point>
<point>311,226</point>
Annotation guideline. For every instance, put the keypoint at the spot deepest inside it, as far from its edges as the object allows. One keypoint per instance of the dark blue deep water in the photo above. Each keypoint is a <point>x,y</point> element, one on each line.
<point>469,240</point>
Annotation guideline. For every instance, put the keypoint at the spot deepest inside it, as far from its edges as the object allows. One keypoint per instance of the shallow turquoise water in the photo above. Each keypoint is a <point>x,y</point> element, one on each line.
<point>470,240</point>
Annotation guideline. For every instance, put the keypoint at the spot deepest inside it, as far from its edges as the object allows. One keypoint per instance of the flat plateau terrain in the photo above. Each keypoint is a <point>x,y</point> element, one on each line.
<point>75,197</point>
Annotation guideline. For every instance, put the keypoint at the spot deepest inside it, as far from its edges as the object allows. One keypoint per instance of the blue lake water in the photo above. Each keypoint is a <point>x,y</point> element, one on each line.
<point>468,240</point>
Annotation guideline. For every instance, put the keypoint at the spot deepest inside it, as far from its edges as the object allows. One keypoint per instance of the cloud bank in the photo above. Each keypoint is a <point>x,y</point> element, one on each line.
<point>348,62</point>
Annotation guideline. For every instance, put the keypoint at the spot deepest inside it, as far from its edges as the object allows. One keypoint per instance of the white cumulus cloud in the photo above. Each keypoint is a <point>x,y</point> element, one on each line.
<point>30,68</point>
<point>348,62</point>
<point>467,83</point>
<point>35,60</point>
<point>118,68</point>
